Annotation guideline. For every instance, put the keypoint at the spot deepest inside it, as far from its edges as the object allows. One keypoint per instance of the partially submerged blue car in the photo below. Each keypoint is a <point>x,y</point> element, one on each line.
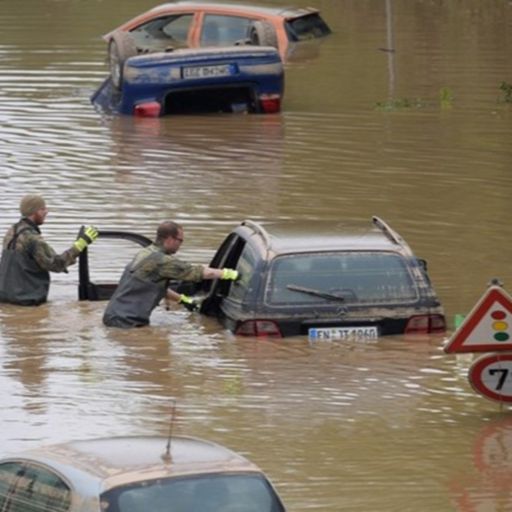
<point>242,78</point>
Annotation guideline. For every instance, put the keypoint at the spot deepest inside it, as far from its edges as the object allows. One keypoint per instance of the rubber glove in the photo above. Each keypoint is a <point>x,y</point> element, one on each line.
<point>230,274</point>
<point>188,302</point>
<point>86,236</point>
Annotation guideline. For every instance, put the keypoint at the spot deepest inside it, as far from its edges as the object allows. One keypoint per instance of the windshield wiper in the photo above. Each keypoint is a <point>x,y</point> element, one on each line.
<point>315,293</point>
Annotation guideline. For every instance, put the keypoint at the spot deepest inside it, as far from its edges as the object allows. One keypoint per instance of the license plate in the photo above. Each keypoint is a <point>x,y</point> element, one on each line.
<point>209,71</point>
<point>344,333</point>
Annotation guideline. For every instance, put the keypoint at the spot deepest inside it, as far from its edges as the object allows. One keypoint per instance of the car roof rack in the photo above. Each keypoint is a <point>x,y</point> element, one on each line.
<point>258,228</point>
<point>391,233</point>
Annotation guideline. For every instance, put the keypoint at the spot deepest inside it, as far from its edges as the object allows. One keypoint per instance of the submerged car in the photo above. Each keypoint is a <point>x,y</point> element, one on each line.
<point>323,280</point>
<point>326,281</point>
<point>135,474</point>
<point>247,79</point>
<point>189,57</point>
<point>205,24</point>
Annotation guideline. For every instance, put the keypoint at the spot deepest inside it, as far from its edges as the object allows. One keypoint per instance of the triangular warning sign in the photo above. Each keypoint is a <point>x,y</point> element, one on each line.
<point>488,327</point>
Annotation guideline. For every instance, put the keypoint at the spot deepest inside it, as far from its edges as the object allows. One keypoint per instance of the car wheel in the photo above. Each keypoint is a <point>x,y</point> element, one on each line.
<point>120,48</point>
<point>262,33</point>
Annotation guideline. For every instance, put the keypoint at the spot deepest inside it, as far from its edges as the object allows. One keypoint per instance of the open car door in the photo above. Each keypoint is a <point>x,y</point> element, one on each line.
<point>88,290</point>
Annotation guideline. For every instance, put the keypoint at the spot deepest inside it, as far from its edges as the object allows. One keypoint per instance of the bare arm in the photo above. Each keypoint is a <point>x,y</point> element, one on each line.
<point>174,268</point>
<point>171,296</point>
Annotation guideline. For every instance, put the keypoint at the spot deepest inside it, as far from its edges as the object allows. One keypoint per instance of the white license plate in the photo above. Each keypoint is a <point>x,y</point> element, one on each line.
<point>209,71</point>
<point>344,333</point>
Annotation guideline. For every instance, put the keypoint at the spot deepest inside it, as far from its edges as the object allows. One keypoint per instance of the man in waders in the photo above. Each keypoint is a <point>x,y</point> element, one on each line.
<point>27,259</point>
<point>145,280</point>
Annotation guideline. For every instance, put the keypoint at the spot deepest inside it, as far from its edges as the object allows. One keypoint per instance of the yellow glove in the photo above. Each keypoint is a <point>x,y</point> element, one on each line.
<point>188,302</point>
<point>230,274</point>
<point>86,236</point>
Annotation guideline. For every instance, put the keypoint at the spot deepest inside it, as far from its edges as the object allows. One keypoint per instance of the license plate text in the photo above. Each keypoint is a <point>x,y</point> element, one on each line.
<point>208,71</point>
<point>344,333</point>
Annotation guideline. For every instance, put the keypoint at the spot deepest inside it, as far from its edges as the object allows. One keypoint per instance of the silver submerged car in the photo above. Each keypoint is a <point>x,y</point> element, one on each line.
<point>134,474</point>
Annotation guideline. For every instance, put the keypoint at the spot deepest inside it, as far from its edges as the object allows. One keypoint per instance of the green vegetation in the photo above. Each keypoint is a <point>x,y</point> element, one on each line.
<point>446,97</point>
<point>507,91</point>
<point>445,100</point>
<point>400,104</point>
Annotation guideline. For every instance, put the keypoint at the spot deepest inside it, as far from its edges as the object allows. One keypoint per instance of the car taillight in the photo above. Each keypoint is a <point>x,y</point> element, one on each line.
<point>437,323</point>
<point>259,328</point>
<point>270,103</point>
<point>147,109</point>
<point>424,324</point>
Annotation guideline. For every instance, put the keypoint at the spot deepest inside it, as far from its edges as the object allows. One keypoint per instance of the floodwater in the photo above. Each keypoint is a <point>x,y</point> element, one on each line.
<point>421,136</point>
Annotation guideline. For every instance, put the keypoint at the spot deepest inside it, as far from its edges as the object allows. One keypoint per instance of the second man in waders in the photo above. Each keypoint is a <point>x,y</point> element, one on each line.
<point>145,280</point>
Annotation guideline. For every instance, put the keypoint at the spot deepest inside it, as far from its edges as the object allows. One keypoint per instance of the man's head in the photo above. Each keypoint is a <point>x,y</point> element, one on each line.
<point>169,236</point>
<point>33,207</point>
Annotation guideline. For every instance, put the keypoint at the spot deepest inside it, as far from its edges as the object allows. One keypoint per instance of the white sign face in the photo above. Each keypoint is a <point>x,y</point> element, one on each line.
<point>491,375</point>
<point>488,327</point>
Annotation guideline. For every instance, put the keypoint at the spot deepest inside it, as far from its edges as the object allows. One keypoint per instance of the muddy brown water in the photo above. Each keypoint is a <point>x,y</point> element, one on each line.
<point>421,136</point>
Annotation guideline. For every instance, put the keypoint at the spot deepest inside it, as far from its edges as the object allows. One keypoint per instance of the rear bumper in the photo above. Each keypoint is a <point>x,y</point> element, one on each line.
<point>153,77</point>
<point>387,322</point>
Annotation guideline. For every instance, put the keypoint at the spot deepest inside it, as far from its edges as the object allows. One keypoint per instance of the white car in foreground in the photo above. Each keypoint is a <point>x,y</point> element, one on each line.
<point>134,474</point>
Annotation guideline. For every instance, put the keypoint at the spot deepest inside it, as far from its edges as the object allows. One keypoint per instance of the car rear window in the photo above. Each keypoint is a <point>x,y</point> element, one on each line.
<point>310,26</point>
<point>205,493</point>
<point>355,277</point>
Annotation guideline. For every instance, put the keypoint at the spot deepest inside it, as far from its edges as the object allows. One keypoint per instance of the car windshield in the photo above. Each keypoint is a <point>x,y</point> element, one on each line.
<point>310,26</point>
<point>248,492</point>
<point>353,277</point>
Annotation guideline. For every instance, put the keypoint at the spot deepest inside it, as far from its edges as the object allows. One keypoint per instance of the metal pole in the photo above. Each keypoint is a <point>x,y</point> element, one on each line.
<point>390,47</point>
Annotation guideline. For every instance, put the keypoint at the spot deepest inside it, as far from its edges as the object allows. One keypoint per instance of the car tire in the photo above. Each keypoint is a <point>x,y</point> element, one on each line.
<point>120,48</point>
<point>262,33</point>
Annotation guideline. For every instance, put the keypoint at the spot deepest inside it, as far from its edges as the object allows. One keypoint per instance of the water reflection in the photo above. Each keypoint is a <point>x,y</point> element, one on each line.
<point>25,333</point>
<point>487,483</point>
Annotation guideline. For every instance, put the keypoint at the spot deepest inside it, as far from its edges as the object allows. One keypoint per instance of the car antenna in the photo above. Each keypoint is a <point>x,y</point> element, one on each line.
<point>166,457</point>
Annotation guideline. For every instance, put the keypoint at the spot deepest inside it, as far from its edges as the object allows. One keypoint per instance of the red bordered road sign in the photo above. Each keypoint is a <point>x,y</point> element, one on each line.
<point>488,327</point>
<point>491,375</point>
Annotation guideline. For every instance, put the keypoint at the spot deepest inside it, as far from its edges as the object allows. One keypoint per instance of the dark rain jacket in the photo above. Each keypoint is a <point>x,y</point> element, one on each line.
<point>144,284</point>
<point>26,263</point>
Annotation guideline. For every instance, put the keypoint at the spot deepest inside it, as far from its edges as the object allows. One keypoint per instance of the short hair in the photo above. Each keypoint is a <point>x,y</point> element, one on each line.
<point>30,203</point>
<point>166,229</point>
